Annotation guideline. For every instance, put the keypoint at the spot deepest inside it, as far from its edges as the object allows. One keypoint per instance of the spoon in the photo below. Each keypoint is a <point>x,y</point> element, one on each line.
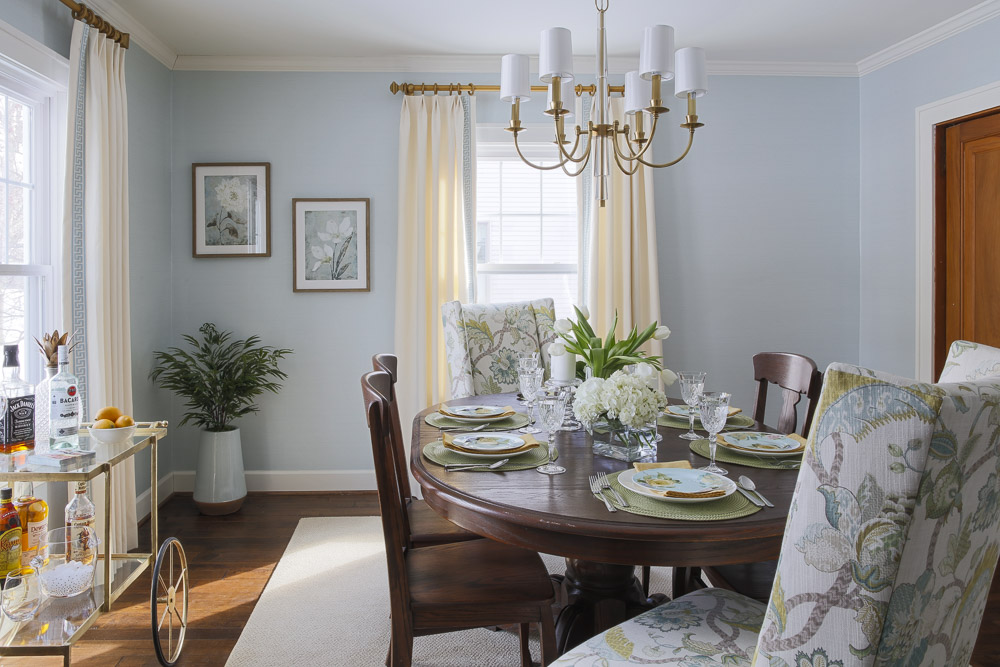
<point>748,484</point>
<point>462,428</point>
<point>456,467</point>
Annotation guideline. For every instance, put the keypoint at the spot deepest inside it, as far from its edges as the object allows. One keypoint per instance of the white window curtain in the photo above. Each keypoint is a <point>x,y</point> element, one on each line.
<point>435,256</point>
<point>620,270</point>
<point>96,251</point>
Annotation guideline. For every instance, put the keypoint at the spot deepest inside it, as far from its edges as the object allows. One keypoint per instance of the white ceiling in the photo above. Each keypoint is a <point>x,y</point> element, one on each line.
<point>792,31</point>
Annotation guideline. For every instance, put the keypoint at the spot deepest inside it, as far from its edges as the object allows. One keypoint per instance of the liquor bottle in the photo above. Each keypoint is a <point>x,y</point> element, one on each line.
<point>33,513</point>
<point>64,414</point>
<point>80,514</point>
<point>17,432</point>
<point>10,533</point>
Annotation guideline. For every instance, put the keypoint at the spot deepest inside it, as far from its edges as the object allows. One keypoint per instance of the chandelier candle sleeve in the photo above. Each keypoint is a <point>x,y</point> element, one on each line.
<point>656,57</point>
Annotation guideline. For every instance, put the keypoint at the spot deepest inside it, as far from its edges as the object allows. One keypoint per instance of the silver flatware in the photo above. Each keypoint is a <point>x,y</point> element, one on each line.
<point>749,496</point>
<point>595,488</point>
<point>606,484</point>
<point>462,428</point>
<point>748,484</point>
<point>457,467</point>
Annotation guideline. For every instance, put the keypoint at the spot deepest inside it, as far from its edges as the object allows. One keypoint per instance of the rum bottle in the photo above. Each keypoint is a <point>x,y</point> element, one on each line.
<point>64,405</point>
<point>17,432</point>
<point>10,533</point>
<point>80,514</point>
<point>33,513</point>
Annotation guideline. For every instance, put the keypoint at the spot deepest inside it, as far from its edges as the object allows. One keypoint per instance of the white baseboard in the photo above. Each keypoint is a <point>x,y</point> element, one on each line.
<point>163,490</point>
<point>291,480</point>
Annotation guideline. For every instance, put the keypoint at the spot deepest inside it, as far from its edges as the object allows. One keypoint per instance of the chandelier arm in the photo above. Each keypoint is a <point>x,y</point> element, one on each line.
<point>679,158</point>
<point>530,164</point>
<point>649,141</point>
<point>569,155</point>
<point>628,145</point>
<point>583,166</point>
<point>618,161</point>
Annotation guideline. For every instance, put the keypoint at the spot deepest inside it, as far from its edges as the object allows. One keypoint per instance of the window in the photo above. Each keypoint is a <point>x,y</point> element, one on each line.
<point>526,226</point>
<point>27,279</point>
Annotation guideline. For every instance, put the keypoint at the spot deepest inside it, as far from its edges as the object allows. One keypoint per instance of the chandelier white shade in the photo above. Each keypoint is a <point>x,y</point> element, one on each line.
<point>658,62</point>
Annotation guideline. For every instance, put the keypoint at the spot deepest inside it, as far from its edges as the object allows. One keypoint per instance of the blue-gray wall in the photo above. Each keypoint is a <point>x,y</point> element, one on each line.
<point>48,21</point>
<point>889,99</point>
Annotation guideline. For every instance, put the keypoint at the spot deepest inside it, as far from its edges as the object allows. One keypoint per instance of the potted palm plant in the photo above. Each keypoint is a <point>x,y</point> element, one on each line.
<point>219,378</point>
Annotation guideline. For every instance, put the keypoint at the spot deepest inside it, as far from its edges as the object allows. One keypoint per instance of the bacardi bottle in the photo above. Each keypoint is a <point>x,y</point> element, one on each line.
<point>64,413</point>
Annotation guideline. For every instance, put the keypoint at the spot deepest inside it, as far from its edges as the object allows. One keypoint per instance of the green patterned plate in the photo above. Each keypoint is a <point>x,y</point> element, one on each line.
<point>438,420</point>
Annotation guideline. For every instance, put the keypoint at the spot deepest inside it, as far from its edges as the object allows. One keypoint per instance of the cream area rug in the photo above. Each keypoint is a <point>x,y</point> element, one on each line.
<point>327,603</point>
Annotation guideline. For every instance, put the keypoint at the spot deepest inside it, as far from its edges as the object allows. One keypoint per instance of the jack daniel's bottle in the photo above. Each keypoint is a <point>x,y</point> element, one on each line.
<point>17,428</point>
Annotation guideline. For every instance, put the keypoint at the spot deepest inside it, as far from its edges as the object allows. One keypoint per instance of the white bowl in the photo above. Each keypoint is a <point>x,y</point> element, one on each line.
<point>111,436</point>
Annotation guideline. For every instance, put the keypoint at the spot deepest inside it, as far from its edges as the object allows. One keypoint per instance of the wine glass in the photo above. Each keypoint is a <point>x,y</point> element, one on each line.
<point>714,408</point>
<point>526,361</point>
<point>692,385</point>
<point>551,411</point>
<point>21,595</point>
<point>530,381</point>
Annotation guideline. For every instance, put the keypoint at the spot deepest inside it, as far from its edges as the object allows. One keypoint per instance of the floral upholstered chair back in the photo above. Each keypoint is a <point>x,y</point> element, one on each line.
<point>483,342</point>
<point>892,537</point>
<point>970,361</point>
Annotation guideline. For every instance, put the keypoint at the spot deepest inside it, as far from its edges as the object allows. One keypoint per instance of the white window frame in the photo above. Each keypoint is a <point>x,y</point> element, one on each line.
<point>33,73</point>
<point>492,140</point>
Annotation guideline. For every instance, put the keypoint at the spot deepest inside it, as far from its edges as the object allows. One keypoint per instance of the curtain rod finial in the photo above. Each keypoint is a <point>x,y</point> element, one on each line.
<point>393,87</point>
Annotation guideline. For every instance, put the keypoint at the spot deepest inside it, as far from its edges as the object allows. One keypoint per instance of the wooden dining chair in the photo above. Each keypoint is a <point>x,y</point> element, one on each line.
<point>797,376</point>
<point>449,587</point>
<point>427,527</point>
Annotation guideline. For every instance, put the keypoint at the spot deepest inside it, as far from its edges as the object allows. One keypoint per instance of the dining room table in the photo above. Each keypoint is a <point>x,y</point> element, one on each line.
<point>559,515</point>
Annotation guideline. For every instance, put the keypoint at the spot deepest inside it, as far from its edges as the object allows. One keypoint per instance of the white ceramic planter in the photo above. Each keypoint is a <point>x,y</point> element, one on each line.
<point>219,485</point>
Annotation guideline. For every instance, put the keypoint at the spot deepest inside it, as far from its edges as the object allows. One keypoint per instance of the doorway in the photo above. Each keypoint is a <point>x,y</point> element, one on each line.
<point>966,232</point>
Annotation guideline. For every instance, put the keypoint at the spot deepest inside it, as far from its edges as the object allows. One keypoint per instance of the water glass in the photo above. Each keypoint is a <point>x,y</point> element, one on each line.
<point>714,408</point>
<point>21,595</point>
<point>526,361</point>
<point>551,412</point>
<point>530,381</point>
<point>692,386</point>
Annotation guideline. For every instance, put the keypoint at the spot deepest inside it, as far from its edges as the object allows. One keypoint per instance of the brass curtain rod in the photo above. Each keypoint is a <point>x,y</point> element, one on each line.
<point>471,88</point>
<point>82,12</point>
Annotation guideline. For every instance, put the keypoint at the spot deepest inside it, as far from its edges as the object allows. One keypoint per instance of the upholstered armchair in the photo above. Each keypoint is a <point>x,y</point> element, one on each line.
<point>483,342</point>
<point>970,361</point>
<point>889,550</point>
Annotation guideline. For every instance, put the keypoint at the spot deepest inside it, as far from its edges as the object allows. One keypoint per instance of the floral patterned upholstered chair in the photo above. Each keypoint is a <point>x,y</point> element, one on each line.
<point>483,342</point>
<point>888,553</point>
<point>970,361</point>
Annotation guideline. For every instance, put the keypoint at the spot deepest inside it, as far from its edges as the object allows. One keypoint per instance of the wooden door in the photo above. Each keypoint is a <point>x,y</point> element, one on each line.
<point>967,248</point>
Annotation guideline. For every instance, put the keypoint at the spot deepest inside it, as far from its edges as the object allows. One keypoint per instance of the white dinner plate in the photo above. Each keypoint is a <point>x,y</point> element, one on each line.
<point>684,480</point>
<point>489,445</point>
<point>759,443</point>
<point>475,414</point>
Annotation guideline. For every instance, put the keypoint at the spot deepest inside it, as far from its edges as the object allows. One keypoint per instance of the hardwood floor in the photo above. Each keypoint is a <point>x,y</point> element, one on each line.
<point>231,559</point>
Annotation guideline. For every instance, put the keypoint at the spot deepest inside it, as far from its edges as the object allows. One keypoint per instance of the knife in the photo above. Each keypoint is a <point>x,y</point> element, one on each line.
<point>749,496</point>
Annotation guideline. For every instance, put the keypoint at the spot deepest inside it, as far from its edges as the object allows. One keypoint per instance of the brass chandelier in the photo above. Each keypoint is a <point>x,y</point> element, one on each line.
<point>657,63</point>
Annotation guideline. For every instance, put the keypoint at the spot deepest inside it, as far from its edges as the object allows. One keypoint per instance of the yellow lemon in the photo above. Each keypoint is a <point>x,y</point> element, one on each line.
<point>104,423</point>
<point>110,412</point>
<point>124,421</point>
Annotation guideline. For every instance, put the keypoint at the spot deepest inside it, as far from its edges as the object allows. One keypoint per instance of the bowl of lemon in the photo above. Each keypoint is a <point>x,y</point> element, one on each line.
<point>111,426</point>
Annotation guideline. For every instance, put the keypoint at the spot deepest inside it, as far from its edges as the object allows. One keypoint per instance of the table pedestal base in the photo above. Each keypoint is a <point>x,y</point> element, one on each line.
<point>595,597</point>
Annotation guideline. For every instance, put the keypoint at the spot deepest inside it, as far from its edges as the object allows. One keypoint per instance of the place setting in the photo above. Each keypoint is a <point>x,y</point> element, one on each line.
<point>478,417</point>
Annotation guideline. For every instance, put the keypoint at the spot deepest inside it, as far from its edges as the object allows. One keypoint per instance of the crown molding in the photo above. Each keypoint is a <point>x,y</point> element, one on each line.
<point>478,65</point>
<point>960,22</point>
<point>138,33</point>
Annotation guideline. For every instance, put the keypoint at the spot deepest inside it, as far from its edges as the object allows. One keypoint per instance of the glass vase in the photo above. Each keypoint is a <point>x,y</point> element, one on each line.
<point>614,440</point>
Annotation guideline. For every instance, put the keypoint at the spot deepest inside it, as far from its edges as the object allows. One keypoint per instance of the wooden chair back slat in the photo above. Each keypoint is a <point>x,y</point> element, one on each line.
<point>374,387</point>
<point>797,376</point>
<point>388,363</point>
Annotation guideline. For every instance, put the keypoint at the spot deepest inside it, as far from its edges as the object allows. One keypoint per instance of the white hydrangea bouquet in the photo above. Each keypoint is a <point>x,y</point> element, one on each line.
<point>617,412</point>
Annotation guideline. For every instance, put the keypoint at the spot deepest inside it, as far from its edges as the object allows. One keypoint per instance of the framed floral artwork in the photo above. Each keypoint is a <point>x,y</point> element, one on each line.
<point>232,209</point>
<point>330,245</point>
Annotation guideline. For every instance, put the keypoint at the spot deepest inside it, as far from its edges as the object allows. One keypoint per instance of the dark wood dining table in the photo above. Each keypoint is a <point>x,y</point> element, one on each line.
<point>559,515</point>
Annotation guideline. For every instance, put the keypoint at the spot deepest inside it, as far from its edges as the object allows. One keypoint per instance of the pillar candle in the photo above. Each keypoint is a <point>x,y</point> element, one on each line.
<point>564,367</point>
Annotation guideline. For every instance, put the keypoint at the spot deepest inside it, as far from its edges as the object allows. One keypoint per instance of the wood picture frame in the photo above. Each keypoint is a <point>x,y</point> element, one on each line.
<point>331,247</point>
<point>231,209</point>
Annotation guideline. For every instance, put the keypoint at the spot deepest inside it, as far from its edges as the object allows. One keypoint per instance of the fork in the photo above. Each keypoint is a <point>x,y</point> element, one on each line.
<point>605,483</point>
<point>462,428</point>
<point>595,488</point>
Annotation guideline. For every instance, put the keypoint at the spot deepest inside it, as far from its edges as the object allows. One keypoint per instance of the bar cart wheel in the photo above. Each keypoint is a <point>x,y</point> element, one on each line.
<point>168,601</point>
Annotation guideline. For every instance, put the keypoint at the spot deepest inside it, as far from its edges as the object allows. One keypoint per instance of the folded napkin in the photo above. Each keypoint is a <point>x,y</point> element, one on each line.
<point>700,494</point>
<point>508,412</point>
<point>661,464</point>
<point>798,438</point>
<point>449,443</point>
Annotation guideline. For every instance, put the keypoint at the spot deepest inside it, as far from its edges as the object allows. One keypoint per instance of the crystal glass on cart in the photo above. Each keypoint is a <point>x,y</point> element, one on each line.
<point>530,381</point>
<point>67,561</point>
<point>551,412</point>
<point>692,386</point>
<point>21,595</point>
<point>714,408</point>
